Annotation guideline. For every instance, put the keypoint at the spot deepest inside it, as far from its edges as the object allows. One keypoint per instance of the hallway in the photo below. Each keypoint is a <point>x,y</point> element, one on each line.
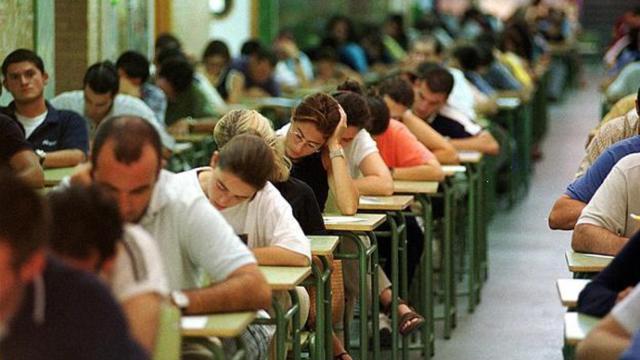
<point>520,316</point>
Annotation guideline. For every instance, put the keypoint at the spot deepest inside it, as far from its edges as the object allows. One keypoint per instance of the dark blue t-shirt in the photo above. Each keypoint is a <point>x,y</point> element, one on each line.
<point>11,140</point>
<point>448,127</point>
<point>69,314</point>
<point>270,85</point>
<point>584,187</point>
<point>60,130</point>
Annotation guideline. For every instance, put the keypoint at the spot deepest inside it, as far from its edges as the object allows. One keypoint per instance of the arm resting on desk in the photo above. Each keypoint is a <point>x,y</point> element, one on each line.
<point>64,158</point>
<point>431,139</point>
<point>565,213</point>
<point>376,178</point>
<point>594,239</point>
<point>483,142</point>
<point>27,167</point>
<point>608,340</point>
<point>279,256</point>
<point>231,294</point>
<point>430,171</point>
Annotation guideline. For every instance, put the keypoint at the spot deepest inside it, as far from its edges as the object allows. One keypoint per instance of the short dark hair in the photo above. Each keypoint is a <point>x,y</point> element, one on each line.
<point>21,55</point>
<point>380,115</point>
<point>102,78</point>
<point>264,54</point>
<point>438,79</point>
<point>178,72</point>
<point>84,219</point>
<point>248,157</point>
<point>250,47</point>
<point>398,89</point>
<point>24,218</point>
<point>134,64</point>
<point>167,54</point>
<point>326,53</point>
<point>355,106</point>
<point>467,56</point>
<point>130,134</point>
<point>216,47</point>
<point>167,41</point>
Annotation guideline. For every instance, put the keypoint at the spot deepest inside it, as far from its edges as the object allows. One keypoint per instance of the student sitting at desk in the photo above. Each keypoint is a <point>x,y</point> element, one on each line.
<point>568,206</point>
<point>614,282</point>
<point>59,137</point>
<point>605,224</point>
<point>16,153</point>
<point>298,194</point>
<point>88,234</point>
<point>314,142</point>
<point>397,93</point>
<point>432,89</point>
<point>612,335</point>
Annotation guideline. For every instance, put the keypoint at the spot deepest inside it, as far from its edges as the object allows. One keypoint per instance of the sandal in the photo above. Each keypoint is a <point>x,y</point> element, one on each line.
<point>409,322</point>
<point>342,355</point>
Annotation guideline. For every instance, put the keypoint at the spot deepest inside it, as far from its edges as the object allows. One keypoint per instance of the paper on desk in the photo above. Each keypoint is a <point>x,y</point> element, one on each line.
<point>370,200</point>
<point>510,102</point>
<point>341,219</point>
<point>193,322</point>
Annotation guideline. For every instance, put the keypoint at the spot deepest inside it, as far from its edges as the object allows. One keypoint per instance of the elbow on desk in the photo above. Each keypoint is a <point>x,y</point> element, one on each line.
<point>559,222</point>
<point>578,242</point>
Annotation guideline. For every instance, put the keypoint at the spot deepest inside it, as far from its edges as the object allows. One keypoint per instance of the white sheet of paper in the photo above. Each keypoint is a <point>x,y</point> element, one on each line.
<point>370,200</point>
<point>193,322</point>
<point>341,219</point>
<point>510,102</point>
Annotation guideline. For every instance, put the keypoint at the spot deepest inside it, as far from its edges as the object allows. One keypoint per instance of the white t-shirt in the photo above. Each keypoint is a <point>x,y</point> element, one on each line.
<point>627,311</point>
<point>267,219</point>
<point>616,199</point>
<point>138,266</point>
<point>122,105</point>
<point>192,235</point>
<point>30,124</point>
<point>357,150</point>
<point>461,96</point>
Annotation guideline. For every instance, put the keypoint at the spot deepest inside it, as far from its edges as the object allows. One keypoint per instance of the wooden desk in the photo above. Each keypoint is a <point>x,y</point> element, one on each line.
<point>52,177</point>
<point>581,262</point>
<point>569,290</point>
<point>577,326</point>
<point>323,245</point>
<point>218,325</point>
<point>450,170</point>
<point>472,157</point>
<point>385,203</point>
<point>358,222</point>
<point>285,277</point>
<point>415,187</point>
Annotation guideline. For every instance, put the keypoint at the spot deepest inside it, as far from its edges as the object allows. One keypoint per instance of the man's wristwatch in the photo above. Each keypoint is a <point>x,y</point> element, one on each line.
<point>336,153</point>
<point>180,299</point>
<point>42,155</point>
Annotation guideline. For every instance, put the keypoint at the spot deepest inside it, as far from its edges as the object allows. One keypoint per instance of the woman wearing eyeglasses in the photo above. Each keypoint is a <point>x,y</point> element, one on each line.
<point>313,143</point>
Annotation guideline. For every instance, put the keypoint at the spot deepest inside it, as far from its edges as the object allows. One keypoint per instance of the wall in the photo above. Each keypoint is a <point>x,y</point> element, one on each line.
<point>16,15</point>
<point>190,21</point>
<point>70,44</point>
<point>234,28</point>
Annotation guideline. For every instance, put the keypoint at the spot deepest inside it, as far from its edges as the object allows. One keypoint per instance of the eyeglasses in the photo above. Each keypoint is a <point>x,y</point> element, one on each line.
<point>299,138</point>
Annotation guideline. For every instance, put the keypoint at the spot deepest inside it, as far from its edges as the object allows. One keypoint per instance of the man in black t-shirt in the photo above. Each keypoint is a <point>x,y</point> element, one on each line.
<point>16,153</point>
<point>432,87</point>
<point>47,310</point>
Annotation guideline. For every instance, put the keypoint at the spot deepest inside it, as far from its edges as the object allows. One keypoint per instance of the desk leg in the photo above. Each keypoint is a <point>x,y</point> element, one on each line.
<point>320,309</point>
<point>363,253</point>
<point>471,237</point>
<point>449,283</point>
<point>426,277</point>
<point>295,323</point>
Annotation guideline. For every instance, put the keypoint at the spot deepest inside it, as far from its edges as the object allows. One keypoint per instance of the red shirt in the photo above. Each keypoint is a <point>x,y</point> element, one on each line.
<point>400,148</point>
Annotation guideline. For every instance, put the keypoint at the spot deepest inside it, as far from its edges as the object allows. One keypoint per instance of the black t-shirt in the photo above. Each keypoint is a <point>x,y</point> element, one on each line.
<point>448,127</point>
<point>304,205</point>
<point>311,171</point>
<point>71,316</point>
<point>12,140</point>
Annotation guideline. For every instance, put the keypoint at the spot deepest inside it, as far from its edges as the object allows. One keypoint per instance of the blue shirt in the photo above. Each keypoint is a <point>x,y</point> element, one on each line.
<point>633,352</point>
<point>60,130</point>
<point>69,314</point>
<point>584,187</point>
